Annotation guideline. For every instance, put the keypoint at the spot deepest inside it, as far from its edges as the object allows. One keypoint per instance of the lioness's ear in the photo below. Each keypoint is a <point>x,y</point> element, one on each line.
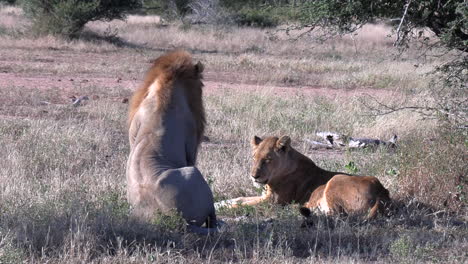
<point>283,143</point>
<point>199,67</point>
<point>255,141</point>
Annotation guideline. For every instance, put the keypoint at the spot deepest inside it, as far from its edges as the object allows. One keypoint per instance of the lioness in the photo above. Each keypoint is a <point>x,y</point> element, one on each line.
<point>290,176</point>
<point>166,124</point>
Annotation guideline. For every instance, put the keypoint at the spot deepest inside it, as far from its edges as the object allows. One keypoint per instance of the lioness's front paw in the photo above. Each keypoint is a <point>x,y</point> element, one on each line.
<point>226,203</point>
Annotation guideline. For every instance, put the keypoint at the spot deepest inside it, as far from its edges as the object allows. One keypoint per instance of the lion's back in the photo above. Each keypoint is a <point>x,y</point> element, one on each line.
<point>166,122</point>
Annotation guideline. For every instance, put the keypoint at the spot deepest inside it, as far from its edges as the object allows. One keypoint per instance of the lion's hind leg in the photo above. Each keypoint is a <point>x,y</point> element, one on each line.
<point>211,221</point>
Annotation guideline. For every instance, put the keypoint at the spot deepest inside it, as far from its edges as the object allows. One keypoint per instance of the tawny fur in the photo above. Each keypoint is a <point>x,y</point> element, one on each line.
<point>289,177</point>
<point>165,69</point>
<point>166,124</point>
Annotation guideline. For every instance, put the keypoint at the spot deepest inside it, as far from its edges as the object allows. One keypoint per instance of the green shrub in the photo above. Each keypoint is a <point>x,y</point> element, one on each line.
<point>256,17</point>
<point>10,254</point>
<point>401,248</point>
<point>351,167</point>
<point>115,204</point>
<point>253,12</point>
<point>172,221</point>
<point>11,2</point>
<point>168,9</point>
<point>68,17</point>
<point>3,31</point>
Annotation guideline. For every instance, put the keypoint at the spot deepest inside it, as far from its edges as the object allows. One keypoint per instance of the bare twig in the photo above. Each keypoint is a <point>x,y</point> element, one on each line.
<point>397,41</point>
<point>385,109</point>
<point>454,110</point>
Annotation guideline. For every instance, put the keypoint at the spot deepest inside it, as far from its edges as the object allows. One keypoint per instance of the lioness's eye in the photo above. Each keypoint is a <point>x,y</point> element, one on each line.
<point>267,160</point>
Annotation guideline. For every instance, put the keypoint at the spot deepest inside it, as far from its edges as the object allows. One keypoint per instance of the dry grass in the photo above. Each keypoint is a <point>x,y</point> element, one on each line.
<point>62,182</point>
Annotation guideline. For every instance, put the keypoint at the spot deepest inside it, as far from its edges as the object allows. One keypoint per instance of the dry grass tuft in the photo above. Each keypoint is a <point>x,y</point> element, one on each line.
<point>435,174</point>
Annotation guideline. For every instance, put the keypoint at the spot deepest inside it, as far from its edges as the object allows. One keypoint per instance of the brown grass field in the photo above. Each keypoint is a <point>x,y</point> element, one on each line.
<point>62,168</point>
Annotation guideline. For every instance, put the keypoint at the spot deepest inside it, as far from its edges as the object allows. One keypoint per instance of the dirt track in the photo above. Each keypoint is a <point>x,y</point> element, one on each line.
<point>68,85</point>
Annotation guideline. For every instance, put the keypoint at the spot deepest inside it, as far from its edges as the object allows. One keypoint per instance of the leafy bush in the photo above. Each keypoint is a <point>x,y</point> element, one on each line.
<point>245,12</point>
<point>11,2</point>
<point>402,247</point>
<point>169,221</point>
<point>68,17</point>
<point>168,9</point>
<point>253,12</point>
<point>256,17</point>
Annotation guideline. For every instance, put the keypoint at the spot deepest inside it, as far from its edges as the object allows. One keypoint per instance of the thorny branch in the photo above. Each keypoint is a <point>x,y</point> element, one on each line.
<point>378,108</point>
<point>385,109</point>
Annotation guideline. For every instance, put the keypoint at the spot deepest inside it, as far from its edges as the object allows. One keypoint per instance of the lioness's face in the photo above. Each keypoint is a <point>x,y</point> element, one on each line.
<point>269,158</point>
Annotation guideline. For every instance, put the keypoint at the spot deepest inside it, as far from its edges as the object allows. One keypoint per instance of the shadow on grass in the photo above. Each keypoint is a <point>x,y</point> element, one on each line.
<point>113,39</point>
<point>98,231</point>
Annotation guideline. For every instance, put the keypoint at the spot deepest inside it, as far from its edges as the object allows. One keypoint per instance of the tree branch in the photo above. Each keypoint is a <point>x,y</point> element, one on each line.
<point>398,32</point>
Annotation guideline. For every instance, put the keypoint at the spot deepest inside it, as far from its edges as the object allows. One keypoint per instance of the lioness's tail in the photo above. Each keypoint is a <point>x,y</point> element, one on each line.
<point>305,211</point>
<point>381,203</point>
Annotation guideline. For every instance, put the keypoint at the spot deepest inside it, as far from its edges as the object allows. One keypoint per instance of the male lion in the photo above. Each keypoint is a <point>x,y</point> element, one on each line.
<point>166,124</point>
<point>290,176</point>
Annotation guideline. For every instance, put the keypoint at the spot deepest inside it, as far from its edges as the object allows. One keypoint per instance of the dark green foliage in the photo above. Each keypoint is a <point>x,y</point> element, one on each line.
<point>254,12</point>
<point>448,20</point>
<point>344,15</point>
<point>11,2</point>
<point>256,17</point>
<point>68,17</point>
<point>245,12</point>
<point>168,9</point>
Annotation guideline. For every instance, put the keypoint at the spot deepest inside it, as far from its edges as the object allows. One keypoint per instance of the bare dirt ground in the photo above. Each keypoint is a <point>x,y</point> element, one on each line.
<point>38,70</point>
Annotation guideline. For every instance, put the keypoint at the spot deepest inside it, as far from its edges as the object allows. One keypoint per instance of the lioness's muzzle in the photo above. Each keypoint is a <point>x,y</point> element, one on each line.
<point>257,180</point>
<point>255,176</point>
